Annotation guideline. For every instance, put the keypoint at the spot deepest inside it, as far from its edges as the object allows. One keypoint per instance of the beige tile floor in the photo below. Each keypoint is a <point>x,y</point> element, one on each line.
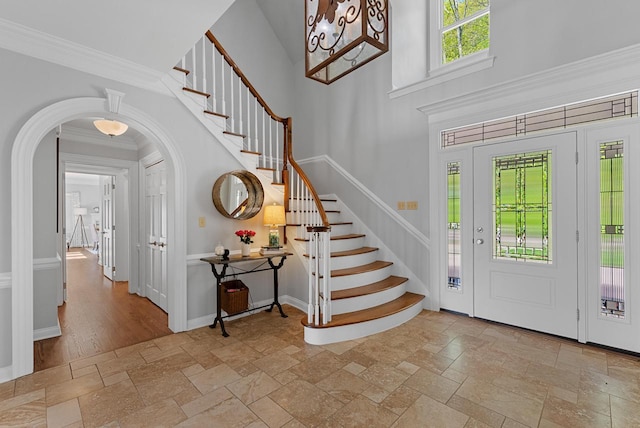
<point>438,370</point>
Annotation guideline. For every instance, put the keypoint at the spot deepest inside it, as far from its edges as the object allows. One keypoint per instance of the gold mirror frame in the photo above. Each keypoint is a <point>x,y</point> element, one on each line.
<point>247,208</point>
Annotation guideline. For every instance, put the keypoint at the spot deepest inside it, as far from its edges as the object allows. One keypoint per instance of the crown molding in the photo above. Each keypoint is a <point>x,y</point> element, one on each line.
<point>28,41</point>
<point>81,135</point>
<point>601,75</point>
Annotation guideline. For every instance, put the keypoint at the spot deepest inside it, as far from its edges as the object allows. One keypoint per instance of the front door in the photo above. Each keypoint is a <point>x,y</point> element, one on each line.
<point>525,232</point>
<point>156,233</point>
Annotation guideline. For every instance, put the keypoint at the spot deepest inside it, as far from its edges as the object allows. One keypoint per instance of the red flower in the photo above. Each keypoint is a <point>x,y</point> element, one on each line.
<point>245,236</point>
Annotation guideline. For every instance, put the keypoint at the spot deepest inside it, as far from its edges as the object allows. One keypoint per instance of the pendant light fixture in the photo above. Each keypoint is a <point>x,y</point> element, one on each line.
<point>112,128</point>
<point>342,35</point>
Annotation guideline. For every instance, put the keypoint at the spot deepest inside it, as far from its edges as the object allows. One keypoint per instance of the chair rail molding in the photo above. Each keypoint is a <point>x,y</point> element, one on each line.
<point>22,153</point>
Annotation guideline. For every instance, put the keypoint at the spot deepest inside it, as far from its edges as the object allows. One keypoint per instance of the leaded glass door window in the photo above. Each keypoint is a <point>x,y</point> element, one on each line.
<point>522,207</point>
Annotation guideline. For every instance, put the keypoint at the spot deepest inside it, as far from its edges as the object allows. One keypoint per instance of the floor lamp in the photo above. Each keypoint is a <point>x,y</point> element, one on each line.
<point>79,212</point>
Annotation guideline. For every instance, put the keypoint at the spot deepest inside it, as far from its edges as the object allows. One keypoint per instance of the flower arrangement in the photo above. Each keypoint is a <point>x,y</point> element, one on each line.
<point>245,236</point>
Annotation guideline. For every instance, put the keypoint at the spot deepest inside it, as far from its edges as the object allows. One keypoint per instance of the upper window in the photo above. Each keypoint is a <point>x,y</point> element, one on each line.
<point>464,28</point>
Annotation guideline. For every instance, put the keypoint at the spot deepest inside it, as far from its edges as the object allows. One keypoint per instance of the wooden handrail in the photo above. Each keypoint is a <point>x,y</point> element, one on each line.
<point>242,77</point>
<point>288,139</point>
<point>289,155</point>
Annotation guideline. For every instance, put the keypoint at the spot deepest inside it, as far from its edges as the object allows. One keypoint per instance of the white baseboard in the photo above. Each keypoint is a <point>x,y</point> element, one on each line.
<point>47,332</point>
<point>208,319</point>
<point>6,374</point>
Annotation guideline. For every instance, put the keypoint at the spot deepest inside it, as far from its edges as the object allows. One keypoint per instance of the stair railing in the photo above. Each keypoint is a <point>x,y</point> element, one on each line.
<point>209,71</point>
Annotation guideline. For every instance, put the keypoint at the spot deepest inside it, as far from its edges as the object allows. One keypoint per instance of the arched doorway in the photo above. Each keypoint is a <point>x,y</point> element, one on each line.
<point>22,155</point>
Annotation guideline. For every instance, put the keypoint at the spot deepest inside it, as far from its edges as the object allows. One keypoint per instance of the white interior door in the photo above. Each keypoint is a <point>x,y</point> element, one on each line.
<point>525,228</point>
<point>156,234</point>
<point>108,227</point>
<point>612,213</point>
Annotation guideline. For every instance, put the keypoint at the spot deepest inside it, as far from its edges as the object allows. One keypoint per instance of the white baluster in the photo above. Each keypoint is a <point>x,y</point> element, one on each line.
<point>270,142</point>
<point>264,136</point>
<point>194,80</point>
<point>232,95</point>
<point>184,75</point>
<point>249,120</point>
<point>213,78</point>
<point>255,123</point>
<point>204,70</point>
<point>240,128</point>
<point>326,309</point>
<point>311,283</point>
<point>317,271</point>
<point>222,86</point>
<point>279,147</point>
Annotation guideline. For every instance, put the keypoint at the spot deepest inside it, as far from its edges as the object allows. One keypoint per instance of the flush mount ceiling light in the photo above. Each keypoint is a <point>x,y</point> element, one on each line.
<point>342,35</point>
<point>112,128</point>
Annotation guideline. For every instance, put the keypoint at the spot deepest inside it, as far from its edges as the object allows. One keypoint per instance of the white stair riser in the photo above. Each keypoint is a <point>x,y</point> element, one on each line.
<point>330,205</point>
<point>350,281</point>
<point>294,216</point>
<point>324,336</point>
<point>347,244</point>
<point>220,122</point>
<point>239,141</point>
<point>341,229</point>
<point>197,98</point>
<point>355,260</point>
<point>358,303</point>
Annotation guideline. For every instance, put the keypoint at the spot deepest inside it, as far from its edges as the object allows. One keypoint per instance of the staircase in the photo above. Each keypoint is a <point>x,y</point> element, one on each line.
<point>366,297</point>
<point>352,294</point>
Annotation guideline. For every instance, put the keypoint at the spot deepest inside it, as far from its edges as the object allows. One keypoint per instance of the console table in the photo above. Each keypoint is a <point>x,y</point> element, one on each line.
<point>233,261</point>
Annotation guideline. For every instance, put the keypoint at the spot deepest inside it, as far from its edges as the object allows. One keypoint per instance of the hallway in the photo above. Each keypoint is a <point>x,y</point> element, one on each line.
<point>99,316</point>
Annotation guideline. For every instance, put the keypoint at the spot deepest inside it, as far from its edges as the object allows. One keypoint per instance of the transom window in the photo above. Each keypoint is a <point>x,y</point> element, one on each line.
<point>464,28</point>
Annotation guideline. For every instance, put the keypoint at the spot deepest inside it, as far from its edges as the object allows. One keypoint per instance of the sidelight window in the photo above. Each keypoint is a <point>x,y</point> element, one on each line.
<point>454,226</point>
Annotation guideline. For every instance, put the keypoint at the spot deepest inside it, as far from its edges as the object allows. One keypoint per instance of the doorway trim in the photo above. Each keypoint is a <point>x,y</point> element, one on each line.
<point>22,154</point>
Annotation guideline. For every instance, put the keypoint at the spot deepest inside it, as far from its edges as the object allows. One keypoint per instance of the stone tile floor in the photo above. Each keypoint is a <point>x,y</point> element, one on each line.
<point>438,370</point>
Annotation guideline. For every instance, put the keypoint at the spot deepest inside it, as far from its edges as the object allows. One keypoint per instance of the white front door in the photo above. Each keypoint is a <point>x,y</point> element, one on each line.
<point>108,227</point>
<point>156,234</point>
<point>613,237</point>
<point>524,230</point>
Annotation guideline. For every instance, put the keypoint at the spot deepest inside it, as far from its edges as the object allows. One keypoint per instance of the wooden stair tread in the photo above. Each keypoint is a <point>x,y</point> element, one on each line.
<point>338,237</point>
<point>213,113</point>
<point>234,133</point>
<point>293,198</point>
<point>375,287</point>
<point>339,223</point>
<point>193,91</point>
<point>354,252</point>
<point>401,303</point>
<point>378,264</point>
<point>308,211</point>
<point>182,70</point>
<point>264,168</point>
<point>250,152</point>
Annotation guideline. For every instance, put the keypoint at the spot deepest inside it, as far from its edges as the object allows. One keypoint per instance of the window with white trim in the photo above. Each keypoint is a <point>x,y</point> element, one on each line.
<point>459,28</point>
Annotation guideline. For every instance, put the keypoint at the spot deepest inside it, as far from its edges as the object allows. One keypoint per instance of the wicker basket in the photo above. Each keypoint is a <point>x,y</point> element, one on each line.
<point>234,296</point>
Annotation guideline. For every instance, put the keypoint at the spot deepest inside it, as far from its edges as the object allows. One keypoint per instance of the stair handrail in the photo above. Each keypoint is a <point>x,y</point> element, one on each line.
<point>309,213</point>
<point>288,138</point>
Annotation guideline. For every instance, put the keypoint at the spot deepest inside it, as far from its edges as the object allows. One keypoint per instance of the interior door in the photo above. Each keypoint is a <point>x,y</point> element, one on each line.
<point>525,228</point>
<point>612,213</point>
<point>156,233</point>
<point>108,227</point>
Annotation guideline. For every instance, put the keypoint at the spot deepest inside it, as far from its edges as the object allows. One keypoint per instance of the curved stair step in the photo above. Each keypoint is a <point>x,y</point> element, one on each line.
<point>354,252</point>
<point>353,325</point>
<point>376,287</point>
<point>338,237</point>
<point>378,264</point>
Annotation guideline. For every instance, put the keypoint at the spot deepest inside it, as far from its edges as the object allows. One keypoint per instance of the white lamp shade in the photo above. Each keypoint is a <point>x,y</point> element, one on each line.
<point>79,211</point>
<point>112,128</point>
<point>274,215</point>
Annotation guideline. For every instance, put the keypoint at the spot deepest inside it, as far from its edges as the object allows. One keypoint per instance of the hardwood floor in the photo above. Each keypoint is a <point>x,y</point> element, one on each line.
<point>99,316</point>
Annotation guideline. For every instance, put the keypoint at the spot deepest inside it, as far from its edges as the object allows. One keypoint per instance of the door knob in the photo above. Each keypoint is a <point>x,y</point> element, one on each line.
<point>162,244</point>
<point>153,243</point>
<point>480,229</point>
<point>479,241</point>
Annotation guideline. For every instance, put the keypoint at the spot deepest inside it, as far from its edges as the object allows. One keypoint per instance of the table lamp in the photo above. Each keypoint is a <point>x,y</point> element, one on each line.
<point>273,217</point>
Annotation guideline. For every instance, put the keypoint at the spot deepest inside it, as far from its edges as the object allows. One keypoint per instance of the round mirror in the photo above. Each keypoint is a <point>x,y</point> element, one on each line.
<point>238,194</point>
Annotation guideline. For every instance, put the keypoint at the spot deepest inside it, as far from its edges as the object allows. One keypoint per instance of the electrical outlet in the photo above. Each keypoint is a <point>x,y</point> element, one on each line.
<point>201,221</point>
<point>412,205</point>
<point>401,205</point>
